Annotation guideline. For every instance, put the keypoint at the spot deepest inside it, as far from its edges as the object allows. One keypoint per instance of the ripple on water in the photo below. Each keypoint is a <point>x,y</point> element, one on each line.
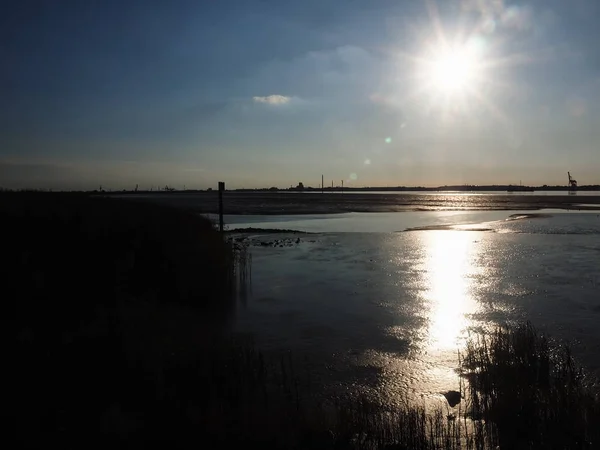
<point>387,313</point>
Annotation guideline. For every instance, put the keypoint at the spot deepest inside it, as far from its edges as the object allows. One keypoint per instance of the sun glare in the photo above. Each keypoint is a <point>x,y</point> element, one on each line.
<point>452,77</point>
<point>459,71</point>
<point>452,70</point>
<point>450,257</point>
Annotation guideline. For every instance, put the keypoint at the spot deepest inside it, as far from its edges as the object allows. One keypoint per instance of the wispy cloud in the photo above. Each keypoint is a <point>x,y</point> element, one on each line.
<point>273,100</point>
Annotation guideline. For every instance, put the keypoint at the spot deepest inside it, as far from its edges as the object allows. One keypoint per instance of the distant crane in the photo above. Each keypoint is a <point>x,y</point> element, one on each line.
<point>572,182</point>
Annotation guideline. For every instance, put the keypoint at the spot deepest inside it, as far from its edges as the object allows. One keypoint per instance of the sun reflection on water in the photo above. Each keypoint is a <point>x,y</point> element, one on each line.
<point>449,264</point>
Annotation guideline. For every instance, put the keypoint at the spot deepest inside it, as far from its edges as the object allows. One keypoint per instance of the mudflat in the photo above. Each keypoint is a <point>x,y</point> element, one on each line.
<point>273,203</point>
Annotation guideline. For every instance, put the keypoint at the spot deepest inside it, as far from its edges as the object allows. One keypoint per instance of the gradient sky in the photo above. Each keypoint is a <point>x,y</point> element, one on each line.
<point>263,93</point>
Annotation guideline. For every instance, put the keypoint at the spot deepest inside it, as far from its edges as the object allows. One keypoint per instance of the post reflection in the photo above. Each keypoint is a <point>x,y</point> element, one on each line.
<point>449,266</point>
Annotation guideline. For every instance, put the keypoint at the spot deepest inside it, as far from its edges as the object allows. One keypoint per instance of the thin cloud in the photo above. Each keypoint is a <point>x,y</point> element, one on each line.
<point>273,100</point>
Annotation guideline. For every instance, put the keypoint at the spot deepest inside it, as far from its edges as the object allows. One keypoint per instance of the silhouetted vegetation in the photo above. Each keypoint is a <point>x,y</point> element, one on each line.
<point>120,341</point>
<point>531,394</point>
<point>73,243</point>
<point>105,293</point>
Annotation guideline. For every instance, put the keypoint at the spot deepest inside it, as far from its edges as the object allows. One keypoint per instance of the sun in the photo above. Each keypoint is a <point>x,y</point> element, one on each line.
<point>452,77</point>
<point>458,73</point>
<point>452,70</point>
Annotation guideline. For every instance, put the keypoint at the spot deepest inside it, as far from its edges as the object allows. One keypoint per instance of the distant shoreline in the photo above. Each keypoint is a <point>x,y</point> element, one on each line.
<point>503,188</point>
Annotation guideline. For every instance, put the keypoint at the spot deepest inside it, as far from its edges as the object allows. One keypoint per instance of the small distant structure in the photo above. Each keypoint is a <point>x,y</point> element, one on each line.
<point>572,182</point>
<point>300,186</point>
<point>519,188</point>
<point>221,189</point>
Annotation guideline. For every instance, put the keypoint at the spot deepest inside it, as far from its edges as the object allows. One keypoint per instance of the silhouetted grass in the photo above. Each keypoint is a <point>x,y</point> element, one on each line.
<point>522,393</point>
<point>233,395</point>
<point>530,393</point>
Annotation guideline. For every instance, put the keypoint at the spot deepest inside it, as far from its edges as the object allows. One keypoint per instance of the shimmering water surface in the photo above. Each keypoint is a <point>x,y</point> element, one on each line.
<point>313,202</point>
<point>385,311</point>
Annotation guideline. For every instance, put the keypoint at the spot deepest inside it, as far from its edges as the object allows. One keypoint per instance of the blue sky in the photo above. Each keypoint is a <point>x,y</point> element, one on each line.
<point>265,93</point>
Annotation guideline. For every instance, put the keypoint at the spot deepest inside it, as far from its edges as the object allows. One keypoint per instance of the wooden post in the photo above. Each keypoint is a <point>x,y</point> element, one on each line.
<point>221,189</point>
<point>322,187</point>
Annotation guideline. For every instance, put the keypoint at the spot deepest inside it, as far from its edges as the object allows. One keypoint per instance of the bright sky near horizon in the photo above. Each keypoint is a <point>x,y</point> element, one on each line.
<point>263,93</point>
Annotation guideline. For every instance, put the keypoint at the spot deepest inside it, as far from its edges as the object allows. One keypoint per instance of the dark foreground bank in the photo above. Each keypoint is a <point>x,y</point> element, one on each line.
<point>109,299</point>
<point>120,340</point>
